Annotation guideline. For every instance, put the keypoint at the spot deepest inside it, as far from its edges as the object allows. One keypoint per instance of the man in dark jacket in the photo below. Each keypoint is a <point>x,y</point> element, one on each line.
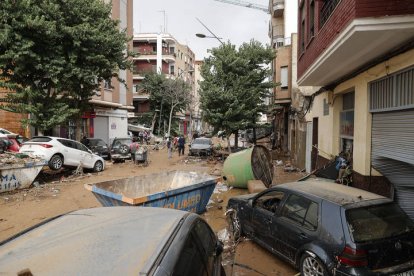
<point>181,145</point>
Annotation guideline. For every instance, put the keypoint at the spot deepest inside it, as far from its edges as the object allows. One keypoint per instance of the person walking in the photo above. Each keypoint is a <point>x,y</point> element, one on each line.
<point>181,145</point>
<point>169,147</point>
<point>133,148</point>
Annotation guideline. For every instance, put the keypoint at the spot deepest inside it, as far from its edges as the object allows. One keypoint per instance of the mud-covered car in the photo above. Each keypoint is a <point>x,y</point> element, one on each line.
<point>201,147</point>
<point>323,228</point>
<point>120,149</point>
<point>115,241</point>
<point>98,147</point>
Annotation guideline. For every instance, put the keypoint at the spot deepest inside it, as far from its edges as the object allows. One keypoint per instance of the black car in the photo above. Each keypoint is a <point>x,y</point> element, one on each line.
<point>323,228</point>
<point>120,149</point>
<point>115,241</point>
<point>98,146</point>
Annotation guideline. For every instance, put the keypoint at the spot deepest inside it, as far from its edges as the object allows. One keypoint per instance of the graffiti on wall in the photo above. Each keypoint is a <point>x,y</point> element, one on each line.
<point>8,182</point>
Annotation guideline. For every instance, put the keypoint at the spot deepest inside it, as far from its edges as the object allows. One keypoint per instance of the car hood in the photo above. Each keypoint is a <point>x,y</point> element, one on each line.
<point>200,146</point>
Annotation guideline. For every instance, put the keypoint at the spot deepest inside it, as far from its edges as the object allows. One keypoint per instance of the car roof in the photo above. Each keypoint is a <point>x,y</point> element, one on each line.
<point>100,241</point>
<point>331,191</point>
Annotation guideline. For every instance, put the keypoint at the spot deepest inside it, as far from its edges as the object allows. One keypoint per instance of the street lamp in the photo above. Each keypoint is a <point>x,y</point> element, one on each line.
<point>204,36</point>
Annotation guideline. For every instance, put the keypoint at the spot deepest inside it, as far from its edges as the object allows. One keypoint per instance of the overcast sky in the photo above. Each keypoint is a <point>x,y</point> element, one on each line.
<point>230,22</point>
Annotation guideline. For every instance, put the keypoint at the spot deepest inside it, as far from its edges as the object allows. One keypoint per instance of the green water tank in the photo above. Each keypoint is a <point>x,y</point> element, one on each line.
<point>250,164</point>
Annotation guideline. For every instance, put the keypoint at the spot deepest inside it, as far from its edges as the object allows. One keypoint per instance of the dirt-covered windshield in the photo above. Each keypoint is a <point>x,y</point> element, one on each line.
<point>378,222</point>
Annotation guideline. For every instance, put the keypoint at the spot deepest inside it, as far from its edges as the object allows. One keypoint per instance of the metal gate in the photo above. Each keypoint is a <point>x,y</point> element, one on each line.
<point>393,153</point>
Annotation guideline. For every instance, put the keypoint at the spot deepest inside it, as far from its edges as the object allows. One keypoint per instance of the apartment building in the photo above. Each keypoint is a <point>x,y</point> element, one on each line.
<point>290,100</point>
<point>161,53</point>
<point>361,54</point>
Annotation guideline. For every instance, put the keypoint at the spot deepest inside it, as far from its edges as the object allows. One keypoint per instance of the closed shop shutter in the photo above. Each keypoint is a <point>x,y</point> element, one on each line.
<point>393,153</point>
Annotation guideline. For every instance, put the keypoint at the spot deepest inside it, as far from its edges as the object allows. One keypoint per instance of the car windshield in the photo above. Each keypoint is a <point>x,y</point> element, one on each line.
<point>202,141</point>
<point>94,143</point>
<point>378,222</point>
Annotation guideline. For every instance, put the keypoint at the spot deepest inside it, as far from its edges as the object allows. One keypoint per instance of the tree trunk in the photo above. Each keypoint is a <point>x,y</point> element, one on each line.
<point>254,136</point>
<point>78,134</point>
<point>169,122</point>
<point>228,144</point>
<point>236,139</point>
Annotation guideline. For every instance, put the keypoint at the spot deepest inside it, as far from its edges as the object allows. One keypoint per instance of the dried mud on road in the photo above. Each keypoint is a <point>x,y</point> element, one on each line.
<point>58,193</point>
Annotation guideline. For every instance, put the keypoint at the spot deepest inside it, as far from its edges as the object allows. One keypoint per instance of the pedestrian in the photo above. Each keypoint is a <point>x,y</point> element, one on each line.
<point>181,145</point>
<point>84,140</point>
<point>133,148</point>
<point>169,147</point>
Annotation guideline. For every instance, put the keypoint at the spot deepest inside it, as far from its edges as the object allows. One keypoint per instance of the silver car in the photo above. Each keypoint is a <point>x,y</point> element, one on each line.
<point>201,147</point>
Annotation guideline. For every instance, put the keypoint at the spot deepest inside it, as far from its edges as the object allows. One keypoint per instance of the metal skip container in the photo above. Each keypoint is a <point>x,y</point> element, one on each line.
<point>251,164</point>
<point>188,191</point>
<point>19,176</point>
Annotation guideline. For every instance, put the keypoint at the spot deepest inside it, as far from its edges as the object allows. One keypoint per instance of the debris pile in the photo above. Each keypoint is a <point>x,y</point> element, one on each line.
<point>8,159</point>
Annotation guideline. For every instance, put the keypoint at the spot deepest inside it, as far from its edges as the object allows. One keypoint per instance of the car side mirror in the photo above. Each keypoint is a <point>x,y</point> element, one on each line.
<point>219,247</point>
<point>90,151</point>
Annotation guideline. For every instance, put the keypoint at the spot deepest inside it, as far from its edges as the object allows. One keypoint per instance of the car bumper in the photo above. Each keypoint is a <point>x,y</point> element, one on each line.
<point>120,156</point>
<point>200,152</point>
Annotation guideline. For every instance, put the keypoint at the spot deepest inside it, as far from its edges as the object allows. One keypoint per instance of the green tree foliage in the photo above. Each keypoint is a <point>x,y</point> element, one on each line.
<point>55,53</point>
<point>235,85</point>
<point>168,96</point>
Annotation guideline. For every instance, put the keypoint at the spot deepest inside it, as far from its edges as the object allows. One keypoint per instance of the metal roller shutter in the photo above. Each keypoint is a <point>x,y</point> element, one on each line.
<point>393,153</point>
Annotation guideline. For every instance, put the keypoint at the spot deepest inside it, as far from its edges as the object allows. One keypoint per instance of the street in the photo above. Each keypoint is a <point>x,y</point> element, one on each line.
<point>55,194</point>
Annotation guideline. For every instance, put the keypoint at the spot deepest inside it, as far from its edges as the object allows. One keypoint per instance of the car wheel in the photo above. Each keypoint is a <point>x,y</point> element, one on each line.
<point>311,266</point>
<point>56,162</point>
<point>235,226</point>
<point>98,167</point>
<point>123,149</point>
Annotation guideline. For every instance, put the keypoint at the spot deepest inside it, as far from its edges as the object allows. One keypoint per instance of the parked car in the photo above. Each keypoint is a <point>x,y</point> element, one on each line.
<point>201,146</point>
<point>116,241</point>
<point>61,152</point>
<point>120,150</point>
<point>9,142</point>
<point>323,228</point>
<point>98,147</point>
<point>5,131</point>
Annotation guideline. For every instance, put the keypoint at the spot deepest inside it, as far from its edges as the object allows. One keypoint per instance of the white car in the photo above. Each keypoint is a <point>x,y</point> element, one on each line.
<point>5,131</point>
<point>61,152</point>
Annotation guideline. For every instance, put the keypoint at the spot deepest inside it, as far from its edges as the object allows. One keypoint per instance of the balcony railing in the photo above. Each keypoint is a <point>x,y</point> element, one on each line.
<point>327,9</point>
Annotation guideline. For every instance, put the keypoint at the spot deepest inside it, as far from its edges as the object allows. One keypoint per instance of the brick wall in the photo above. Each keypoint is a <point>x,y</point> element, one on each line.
<point>11,121</point>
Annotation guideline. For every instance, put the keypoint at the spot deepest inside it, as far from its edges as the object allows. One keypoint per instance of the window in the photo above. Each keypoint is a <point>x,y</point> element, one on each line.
<point>302,28</point>
<point>284,77</point>
<point>325,107</point>
<point>172,69</point>
<point>312,18</point>
<point>172,50</point>
<point>107,84</point>
<point>269,201</point>
<point>190,260</point>
<point>347,122</point>
<point>301,211</point>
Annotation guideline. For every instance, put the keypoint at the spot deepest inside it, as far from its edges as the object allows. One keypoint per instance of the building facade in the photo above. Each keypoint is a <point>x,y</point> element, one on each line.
<point>161,53</point>
<point>361,54</point>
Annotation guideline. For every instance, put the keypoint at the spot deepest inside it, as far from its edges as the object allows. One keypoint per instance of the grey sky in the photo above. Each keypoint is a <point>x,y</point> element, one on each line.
<point>230,22</point>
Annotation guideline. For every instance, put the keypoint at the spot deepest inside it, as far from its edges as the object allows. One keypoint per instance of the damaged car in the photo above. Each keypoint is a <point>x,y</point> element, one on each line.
<point>201,147</point>
<point>323,228</point>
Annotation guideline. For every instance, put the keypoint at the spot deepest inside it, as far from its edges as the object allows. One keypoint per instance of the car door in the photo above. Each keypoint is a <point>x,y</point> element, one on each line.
<point>86,157</point>
<point>297,224</point>
<point>265,207</point>
<point>69,152</point>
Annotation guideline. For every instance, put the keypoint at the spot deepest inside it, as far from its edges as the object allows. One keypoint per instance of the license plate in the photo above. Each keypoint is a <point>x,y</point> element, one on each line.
<point>405,273</point>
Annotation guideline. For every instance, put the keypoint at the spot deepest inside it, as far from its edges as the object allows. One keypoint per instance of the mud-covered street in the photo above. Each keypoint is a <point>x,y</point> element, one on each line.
<point>57,193</point>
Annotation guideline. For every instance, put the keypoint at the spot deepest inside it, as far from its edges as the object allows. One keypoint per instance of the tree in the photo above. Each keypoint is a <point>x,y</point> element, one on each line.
<point>166,94</point>
<point>235,85</point>
<point>55,53</point>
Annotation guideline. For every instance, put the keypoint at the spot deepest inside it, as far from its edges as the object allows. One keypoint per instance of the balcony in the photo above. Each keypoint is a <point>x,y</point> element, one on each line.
<point>358,43</point>
<point>278,8</point>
